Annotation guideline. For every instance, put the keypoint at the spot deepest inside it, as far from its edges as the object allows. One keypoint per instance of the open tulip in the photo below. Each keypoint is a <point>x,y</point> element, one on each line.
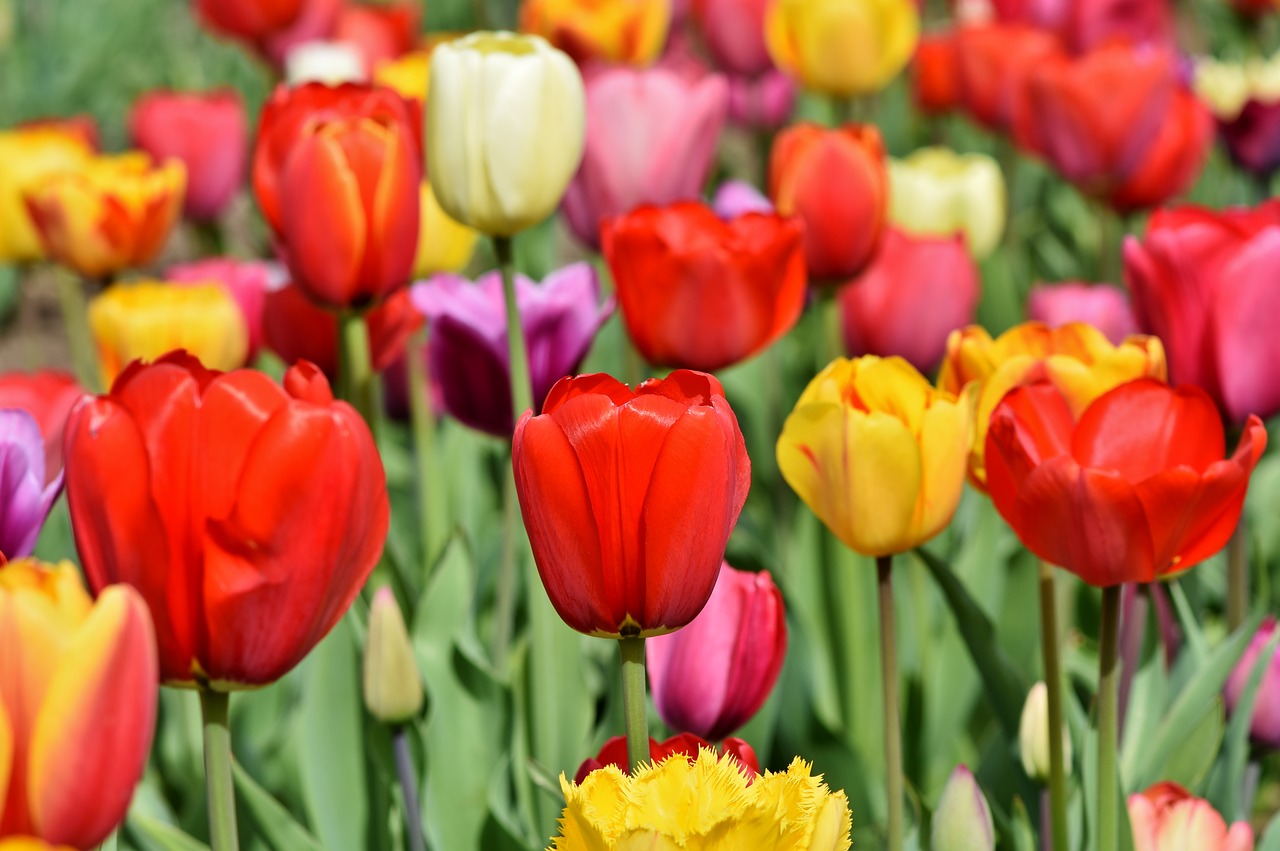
<point>77,704</point>
<point>614,752</point>
<point>1264,727</point>
<point>506,128</point>
<point>937,192</point>
<point>272,27</point>
<point>734,33</point>
<point>28,156</point>
<point>632,544</point>
<point>1167,817</point>
<point>628,32</point>
<point>246,281</point>
<point>48,395</point>
<point>877,453</point>
<point>1135,490</point>
<point>26,492</point>
<point>842,47</point>
<point>182,478</point>
<point>1103,306</point>
<point>674,268</point>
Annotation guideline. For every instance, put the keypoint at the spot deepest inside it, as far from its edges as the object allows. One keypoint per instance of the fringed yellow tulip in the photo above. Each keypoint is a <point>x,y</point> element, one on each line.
<point>937,192</point>
<point>842,47</point>
<point>629,32</point>
<point>878,453</point>
<point>444,245</point>
<point>28,157</point>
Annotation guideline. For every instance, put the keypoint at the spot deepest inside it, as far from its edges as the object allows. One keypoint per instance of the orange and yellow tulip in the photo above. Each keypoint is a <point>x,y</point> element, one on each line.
<point>28,157</point>
<point>629,32</point>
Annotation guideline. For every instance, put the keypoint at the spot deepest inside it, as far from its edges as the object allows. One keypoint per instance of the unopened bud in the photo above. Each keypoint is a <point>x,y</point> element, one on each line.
<point>392,684</point>
<point>962,821</point>
<point>1033,735</point>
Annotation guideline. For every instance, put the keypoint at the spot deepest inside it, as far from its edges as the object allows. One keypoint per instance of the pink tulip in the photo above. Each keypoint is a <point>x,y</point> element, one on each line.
<point>247,281</point>
<point>734,33</point>
<point>916,291</point>
<point>1103,306</point>
<point>1264,728</point>
<point>1091,23</point>
<point>1167,817</point>
<point>712,676</point>
<point>764,103</point>
<point>737,198</point>
<point>651,139</point>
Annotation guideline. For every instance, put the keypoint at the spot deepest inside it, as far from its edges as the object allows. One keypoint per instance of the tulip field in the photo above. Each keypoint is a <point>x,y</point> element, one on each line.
<point>639,425</point>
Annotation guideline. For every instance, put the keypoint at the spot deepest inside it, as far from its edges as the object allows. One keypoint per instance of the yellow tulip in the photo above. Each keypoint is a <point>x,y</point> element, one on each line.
<point>506,125</point>
<point>1077,358</point>
<point>842,47</point>
<point>28,157</point>
<point>629,32</point>
<point>878,453</point>
<point>147,319</point>
<point>443,244</point>
<point>1225,87</point>
<point>408,75</point>
<point>937,192</point>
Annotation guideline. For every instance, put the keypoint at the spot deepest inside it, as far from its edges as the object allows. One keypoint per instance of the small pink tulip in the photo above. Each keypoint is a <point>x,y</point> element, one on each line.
<point>765,102</point>
<point>734,33</point>
<point>1103,306</point>
<point>1264,728</point>
<point>1167,817</point>
<point>246,281</point>
<point>712,676</point>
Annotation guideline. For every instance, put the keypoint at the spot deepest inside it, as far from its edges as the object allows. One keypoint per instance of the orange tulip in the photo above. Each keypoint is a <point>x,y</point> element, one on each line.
<point>630,32</point>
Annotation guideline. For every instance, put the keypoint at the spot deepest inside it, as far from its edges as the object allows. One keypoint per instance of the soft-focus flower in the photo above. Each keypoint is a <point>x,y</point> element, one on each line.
<point>467,346</point>
<point>629,32</point>
<point>1264,727</point>
<point>651,139</point>
<point>877,453</point>
<point>935,74</point>
<point>1135,490</point>
<point>246,281</point>
<point>1167,817</point>
<point>272,27</point>
<point>1089,24</point>
<point>331,63</point>
<point>737,197</point>
<point>761,103</point>
<point>26,492</point>
<point>994,64</point>
<point>207,132</point>
<point>146,319</point>
<point>733,31</point>
<point>702,805</point>
<point>916,291</point>
<point>1033,735</point>
<point>1204,282</point>
<point>409,75</point>
<point>614,752</point>
<point>842,47</point>
<point>962,821</point>
<point>443,244</point>
<point>268,500</point>
<point>77,704</point>
<point>712,676</point>
<point>48,395</point>
<point>108,213</point>
<point>1245,101</point>
<point>699,292</point>
<point>631,544</point>
<point>1101,305</point>
<point>28,156</point>
<point>392,683</point>
<point>381,32</point>
<point>1077,359</point>
<point>506,127</point>
<point>937,192</point>
<point>835,181</point>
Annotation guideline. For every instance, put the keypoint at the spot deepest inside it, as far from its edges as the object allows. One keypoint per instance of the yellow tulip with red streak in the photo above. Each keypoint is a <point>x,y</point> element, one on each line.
<point>28,157</point>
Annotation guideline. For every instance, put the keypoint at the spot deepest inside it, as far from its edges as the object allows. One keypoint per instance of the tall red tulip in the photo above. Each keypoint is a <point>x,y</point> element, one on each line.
<point>272,27</point>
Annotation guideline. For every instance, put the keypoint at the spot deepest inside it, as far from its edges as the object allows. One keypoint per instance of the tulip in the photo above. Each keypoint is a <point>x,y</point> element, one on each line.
<point>1033,735</point>
<point>935,79</point>
<point>915,293</point>
<point>1076,359</point>
<point>630,548</point>
<point>28,157</point>
<point>1092,23</point>
<point>712,676</point>
<point>1103,306</point>
<point>246,281</point>
<point>505,121</point>
<point>329,62</point>
<point>271,27</point>
<point>877,453</point>
<point>628,32</point>
<point>995,64</point>
<point>735,198</point>
<point>1203,281</point>
<point>733,31</point>
<point>206,132</point>
<point>1245,101</point>
<point>1134,490</point>
<point>26,492</point>
<point>962,821</point>
<point>392,683</point>
<point>763,103</point>
<point>409,75</point>
<point>1264,727</point>
<point>443,244</point>
<point>108,214</point>
<point>1167,817</point>
<point>381,32</point>
<point>1042,14</point>
<point>146,319</point>
<point>614,752</point>
<point>48,395</point>
<point>842,47</point>
<point>185,478</point>
<point>78,698</point>
<point>651,139</point>
<point>836,183</point>
<point>675,268</point>
<point>936,192</point>
<point>467,343</point>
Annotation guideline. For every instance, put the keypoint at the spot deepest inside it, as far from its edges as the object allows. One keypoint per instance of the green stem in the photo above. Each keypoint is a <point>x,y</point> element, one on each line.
<point>1108,692</point>
<point>504,607</point>
<point>1237,577</point>
<point>833,332</point>
<point>408,787</point>
<point>431,499</point>
<point>634,710</point>
<point>1049,642</point>
<point>356,376</point>
<point>1110,238</point>
<point>75,317</point>
<point>521,385</point>
<point>217,771</point>
<point>892,722</point>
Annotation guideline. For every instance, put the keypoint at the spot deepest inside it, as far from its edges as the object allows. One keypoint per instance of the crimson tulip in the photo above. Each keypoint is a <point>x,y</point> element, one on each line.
<point>247,514</point>
<point>614,752</point>
<point>629,497</point>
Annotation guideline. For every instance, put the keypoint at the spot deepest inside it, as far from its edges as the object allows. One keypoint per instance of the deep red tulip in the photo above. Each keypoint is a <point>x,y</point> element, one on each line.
<point>48,395</point>
<point>380,31</point>
<point>1092,23</point>
<point>734,33</point>
<point>272,27</point>
<point>994,64</point>
<point>247,514</point>
<point>629,497</point>
<point>1136,491</point>
<point>675,268</point>
<point>935,73</point>
<point>614,752</point>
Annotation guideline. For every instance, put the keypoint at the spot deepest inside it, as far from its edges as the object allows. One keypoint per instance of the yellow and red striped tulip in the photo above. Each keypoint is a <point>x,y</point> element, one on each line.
<point>28,157</point>
<point>628,32</point>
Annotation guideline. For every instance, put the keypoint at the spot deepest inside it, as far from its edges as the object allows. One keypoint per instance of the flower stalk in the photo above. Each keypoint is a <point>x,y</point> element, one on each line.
<point>1108,708</point>
<point>635,712</point>
<point>219,787</point>
<point>892,722</point>
<point>1049,646</point>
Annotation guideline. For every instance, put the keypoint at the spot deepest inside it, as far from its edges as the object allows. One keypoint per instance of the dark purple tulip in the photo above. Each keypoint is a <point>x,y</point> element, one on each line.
<point>467,338</point>
<point>25,499</point>
<point>1252,138</point>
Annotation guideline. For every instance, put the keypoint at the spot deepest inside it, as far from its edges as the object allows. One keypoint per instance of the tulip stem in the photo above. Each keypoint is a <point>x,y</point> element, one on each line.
<point>1237,578</point>
<point>634,710</point>
<point>409,788</point>
<point>521,385</point>
<point>217,771</point>
<point>431,500</point>
<point>1053,682</point>
<point>892,723</point>
<point>75,318</point>
<point>504,606</point>
<point>1108,692</point>
<point>357,375</point>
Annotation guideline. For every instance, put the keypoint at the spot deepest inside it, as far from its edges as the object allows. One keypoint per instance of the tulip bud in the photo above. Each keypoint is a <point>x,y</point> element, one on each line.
<point>392,684</point>
<point>962,821</point>
<point>1033,735</point>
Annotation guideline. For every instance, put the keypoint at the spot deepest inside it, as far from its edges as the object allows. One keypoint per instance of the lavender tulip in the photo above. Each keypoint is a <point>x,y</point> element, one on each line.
<point>25,499</point>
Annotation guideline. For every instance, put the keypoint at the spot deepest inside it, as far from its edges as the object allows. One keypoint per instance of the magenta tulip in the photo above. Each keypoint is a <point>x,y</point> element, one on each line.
<point>246,281</point>
<point>1264,728</point>
<point>762,103</point>
<point>25,498</point>
<point>1103,306</point>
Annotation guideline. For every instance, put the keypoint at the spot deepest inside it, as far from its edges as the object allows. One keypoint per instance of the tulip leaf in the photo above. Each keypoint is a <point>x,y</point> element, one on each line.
<point>1271,836</point>
<point>1196,753</point>
<point>1089,763</point>
<point>1225,792</point>
<point>274,823</point>
<point>155,835</point>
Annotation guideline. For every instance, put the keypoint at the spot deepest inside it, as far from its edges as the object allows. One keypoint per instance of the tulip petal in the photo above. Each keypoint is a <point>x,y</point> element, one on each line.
<point>1240,333</point>
<point>946,436</point>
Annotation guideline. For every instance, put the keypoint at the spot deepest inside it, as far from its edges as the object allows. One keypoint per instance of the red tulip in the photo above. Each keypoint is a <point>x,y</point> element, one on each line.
<point>675,268</point>
<point>48,395</point>
<point>380,31</point>
<point>995,64</point>
<point>734,33</point>
<point>1092,23</point>
<point>1137,490</point>
<point>935,73</point>
<point>614,752</point>
<point>272,27</point>
<point>247,514</point>
<point>629,497</point>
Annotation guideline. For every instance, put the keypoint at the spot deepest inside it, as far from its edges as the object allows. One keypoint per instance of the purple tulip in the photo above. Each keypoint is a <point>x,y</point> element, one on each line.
<point>1264,729</point>
<point>1252,138</point>
<point>467,338</point>
<point>25,499</point>
<point>1103,306</point>
<point>736,198</point>
<point>712,676</point>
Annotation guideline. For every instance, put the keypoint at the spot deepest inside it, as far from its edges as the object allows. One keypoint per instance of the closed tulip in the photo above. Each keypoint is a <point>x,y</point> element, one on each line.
<point>835,181</point>
<point>1103,306</point>
<point>1203,281</point>
<point>1264,726</point>
<point>916,291</point>
<point>444,245</point>
<point>632,544</point>
<point>28,157</point>
<point>496,167</point>
<point>1167,817</point>
<point>877,453</point>
<point>842,47</point>
<point>675,268</point>
<point>1033,735</point>
<point>392,683</point>
<point>48,395</point>
<point>1134,490</point>
<point>962,821</point>
<point>995,64</point>
<point>409,75</point>
<point>27,492</point>
<point>109,213</point>
<point>711,677</point>
<point>271,27</point>
<point>935,78</point>
<point>733,31</point>
<point>270,499</point>
<point>246,281</point>
<point>614,752</point>
<point>937,192</point>
<point>761,103</point>
<point>78,699</point>
<point>467,345</point>
<point>627,32</point>
<point>651,139</point>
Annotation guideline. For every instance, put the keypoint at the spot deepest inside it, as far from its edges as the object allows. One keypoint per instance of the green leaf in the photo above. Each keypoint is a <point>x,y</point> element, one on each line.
<point>273,822</point>
<point>1271,836</point>
<point>1196,753</point>
<point>155,835</point>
